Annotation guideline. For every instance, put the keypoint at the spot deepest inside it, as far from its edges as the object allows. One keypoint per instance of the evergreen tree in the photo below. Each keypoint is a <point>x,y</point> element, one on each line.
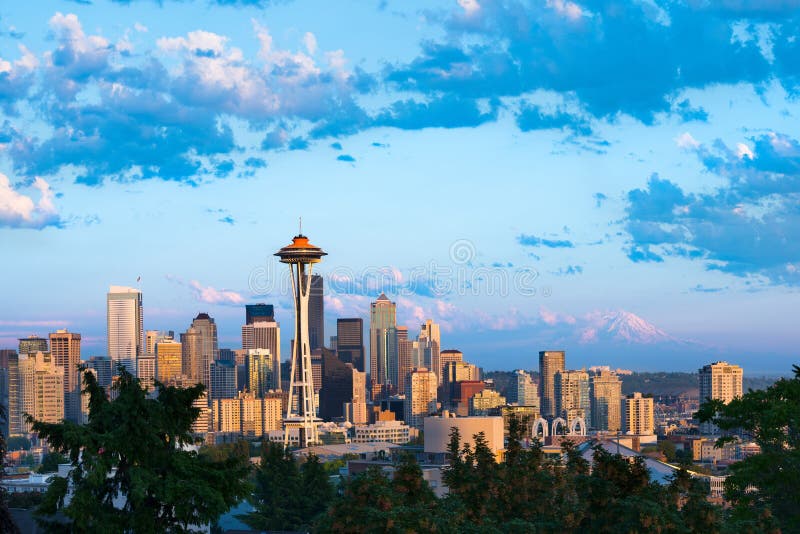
<point>278,491</point>
<point>131,468</point>
<point>765,488</point>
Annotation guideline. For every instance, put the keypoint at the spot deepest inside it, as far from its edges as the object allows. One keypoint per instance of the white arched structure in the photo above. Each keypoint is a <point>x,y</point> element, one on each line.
<point>573,427</point>
<point>540,426</point>
<point>559,422</point>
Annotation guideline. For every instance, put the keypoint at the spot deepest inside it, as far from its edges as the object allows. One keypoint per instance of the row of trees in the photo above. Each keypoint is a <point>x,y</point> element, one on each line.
<point>134,472</point>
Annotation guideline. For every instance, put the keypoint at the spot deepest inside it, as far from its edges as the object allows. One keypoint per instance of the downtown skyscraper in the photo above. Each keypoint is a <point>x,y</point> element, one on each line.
<point>316,313</point>
<point>199,349</point>
<point>605,390</point>
<point>383,356</point>
<point>350,342</point>
<point>65,349</point>
<point>261,332</point>
<point>550,362</point>
<point>124,327</point>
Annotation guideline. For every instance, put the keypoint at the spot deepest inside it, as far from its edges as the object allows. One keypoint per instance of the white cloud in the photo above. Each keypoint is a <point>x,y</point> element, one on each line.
<point>311,43</point>
<point>567,9</point>
<point>141,28</point>
<point>18,210</point>
<point>198,41</point>
<point>469,6</point>
<point>212,295</point>
<point>742,151</point>
<point>686,141</point>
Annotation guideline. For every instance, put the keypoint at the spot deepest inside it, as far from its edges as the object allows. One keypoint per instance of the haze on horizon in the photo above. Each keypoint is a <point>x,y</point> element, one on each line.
<point>621,181</point>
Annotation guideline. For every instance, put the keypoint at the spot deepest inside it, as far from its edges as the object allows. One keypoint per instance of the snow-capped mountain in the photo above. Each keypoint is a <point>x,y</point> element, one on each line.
<point>622,326</point>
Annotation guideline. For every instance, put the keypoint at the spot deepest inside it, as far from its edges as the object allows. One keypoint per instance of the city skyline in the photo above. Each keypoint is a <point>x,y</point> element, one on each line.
<point>644,220</point>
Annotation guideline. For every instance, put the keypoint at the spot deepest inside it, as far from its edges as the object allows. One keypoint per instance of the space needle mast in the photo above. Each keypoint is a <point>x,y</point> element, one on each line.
<point>301,255</point>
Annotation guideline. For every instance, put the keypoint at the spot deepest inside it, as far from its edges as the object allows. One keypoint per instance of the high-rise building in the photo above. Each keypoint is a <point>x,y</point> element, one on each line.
<point>301,255</point>
<point>264,334</point>
<point>482,402</point>
<point>420,396</point>
<point>383,341</point>
<point>223,379</point>
<point>262,375</point>
<point>316,313</point>
<point>550,362</point>
<point>150,340</point>
<point>39,391</point>
<point>169,359</point>
<point>146,371</point>
<point>431,342</point>
<point>65,349</point>
<point>246,415</point>
<point>719,381</point>
<point>13,399</point>
<point>125,327</point>
<point>571,389</point>
<point>32,345</point>
<point>227,354</point>
<point>350,342</point>
<point>605,390</point>
<point>103,369</point>
<point>341,385</point>
<point>524,390</point>
<point>259,313</point>
<point>637,414</point>
<point>449,355</point>
<point>405,354</point>
<point>454,373</point>
<point>200,349</point>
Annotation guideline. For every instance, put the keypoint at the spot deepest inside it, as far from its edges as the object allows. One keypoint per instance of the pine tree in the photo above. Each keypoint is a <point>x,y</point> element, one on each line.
<point>132,470</point>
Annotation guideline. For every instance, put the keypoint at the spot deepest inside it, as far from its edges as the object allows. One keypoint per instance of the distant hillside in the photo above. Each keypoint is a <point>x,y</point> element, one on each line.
<point>652,383</point>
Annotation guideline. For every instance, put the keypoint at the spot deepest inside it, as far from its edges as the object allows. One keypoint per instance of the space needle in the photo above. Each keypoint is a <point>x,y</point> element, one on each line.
<point>299,255</point>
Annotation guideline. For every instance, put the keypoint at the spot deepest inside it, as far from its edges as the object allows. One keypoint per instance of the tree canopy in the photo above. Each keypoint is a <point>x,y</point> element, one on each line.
<point>133,467</point>
<point>764,489</point>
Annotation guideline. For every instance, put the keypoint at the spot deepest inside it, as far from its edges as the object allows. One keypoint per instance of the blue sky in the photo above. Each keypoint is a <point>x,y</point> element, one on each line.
<point>522,172</point>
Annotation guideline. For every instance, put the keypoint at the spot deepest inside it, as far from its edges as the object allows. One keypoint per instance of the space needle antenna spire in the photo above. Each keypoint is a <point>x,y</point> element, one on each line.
<point>301,256</point>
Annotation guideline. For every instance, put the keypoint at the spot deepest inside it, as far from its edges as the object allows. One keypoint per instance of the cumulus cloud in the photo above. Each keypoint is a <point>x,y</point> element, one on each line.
<point>748,227</point>
<point>147,121</point>
<point>16,78</point>
<point>211,295</point>
<point>686,141</point>
<point>509,49</point>
<point>18,210</point>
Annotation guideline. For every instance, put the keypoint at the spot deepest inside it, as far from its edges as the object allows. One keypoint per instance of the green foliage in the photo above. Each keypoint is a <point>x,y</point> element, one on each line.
<point>226,451</point>
<point>25,499</point>
<point>765,488</point>
<point>372,502</point>
<point>50,462</point>
<point>287,496</point>
<point>132,471</point>
<point>668,449</point>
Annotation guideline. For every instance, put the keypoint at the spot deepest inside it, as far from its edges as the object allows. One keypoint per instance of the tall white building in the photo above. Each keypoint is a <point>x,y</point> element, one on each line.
<point>605,390</point>
<point>125,331</point>
<point>719,381</point>
<point>420,401</point>
<point>431,342</point>
<point>637,414</point>
<point>265,334</point>
<point>527,390</point>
